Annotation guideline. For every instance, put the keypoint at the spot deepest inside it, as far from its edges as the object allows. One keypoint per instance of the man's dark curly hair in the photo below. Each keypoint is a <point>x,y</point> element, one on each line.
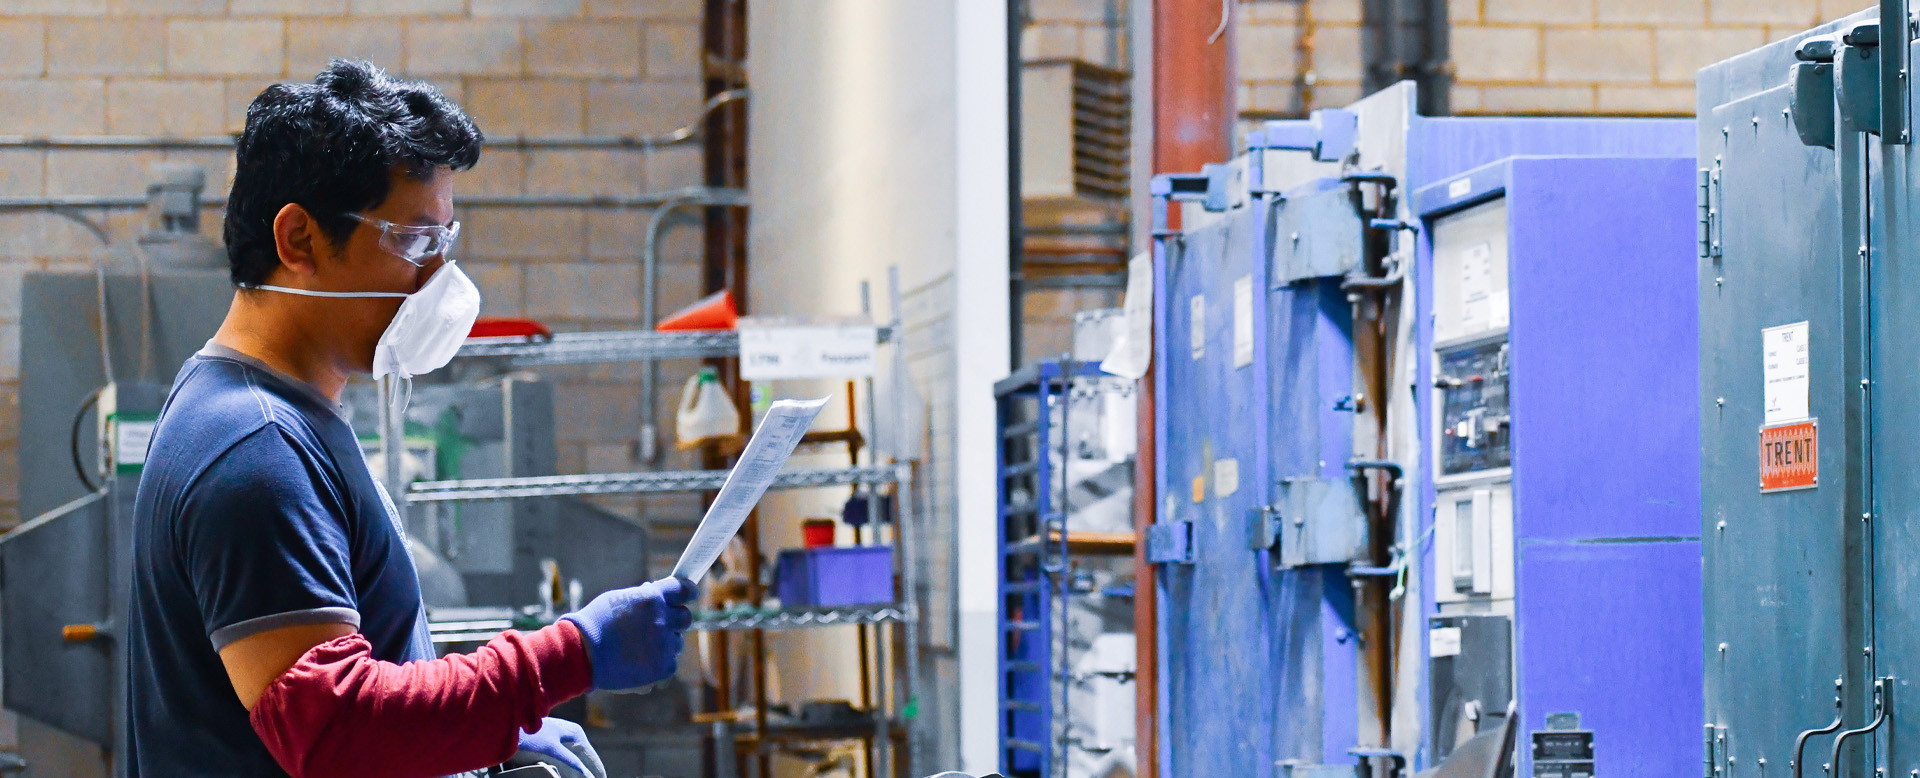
<point>330,146</point>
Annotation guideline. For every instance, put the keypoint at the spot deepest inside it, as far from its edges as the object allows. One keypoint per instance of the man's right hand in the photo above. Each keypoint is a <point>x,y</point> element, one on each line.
<point>633,634</point>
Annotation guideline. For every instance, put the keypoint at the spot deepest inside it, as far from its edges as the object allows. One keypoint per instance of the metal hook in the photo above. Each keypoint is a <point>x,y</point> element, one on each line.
<point>1839,715</point>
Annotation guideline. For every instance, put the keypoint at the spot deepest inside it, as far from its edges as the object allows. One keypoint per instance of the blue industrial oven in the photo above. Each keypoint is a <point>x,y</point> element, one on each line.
<point>1559,333</point>
<point>1263,533</point>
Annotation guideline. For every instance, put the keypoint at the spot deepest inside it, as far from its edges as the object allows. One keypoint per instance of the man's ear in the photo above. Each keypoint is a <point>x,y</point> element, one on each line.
<point>298,239</point>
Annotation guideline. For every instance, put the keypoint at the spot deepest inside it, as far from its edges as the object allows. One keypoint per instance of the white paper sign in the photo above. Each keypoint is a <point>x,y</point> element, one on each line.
<point>1785,366</point>
<point>1459,189</point>
<point>132,438</point>
<point>1243,321</point>
<point>808,351</point>
<point>1226,477</point>
<point>1443,641</point>
<point>779,432</point>
<point>1197,329</point>
<point>1133,351</point>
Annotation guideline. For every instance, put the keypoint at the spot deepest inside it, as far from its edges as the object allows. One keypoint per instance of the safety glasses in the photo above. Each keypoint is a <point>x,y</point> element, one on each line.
<point>413,243</point>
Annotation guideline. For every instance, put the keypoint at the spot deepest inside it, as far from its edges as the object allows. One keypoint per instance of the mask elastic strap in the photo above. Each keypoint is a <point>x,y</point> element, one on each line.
<point>314,293</point>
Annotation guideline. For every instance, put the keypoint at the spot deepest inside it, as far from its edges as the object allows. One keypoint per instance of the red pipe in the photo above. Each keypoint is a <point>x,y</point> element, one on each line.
<point>1193,115</point>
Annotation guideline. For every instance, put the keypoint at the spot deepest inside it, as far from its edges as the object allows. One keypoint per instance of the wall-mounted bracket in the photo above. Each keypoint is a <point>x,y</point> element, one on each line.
<point>1170,542</point>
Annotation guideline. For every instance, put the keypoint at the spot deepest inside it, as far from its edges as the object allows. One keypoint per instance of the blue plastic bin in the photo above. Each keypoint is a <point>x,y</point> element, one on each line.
<point>833,577</point>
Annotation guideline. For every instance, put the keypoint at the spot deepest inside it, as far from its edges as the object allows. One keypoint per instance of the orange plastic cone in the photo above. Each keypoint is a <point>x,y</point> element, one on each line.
<point>713,312</point>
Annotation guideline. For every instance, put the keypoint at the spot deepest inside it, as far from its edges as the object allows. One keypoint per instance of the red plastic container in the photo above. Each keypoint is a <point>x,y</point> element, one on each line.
<point>816,533</point>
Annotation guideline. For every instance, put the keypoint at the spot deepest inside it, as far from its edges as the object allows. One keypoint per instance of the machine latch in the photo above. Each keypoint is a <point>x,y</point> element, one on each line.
<point>1170,542</point>
<point>1263,527</point>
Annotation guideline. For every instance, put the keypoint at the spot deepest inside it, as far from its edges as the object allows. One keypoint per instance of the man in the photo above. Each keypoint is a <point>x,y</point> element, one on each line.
<point>276,620</point>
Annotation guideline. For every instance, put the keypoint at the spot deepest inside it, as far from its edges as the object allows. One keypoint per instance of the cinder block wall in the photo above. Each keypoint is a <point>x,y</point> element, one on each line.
<point>521,67</point>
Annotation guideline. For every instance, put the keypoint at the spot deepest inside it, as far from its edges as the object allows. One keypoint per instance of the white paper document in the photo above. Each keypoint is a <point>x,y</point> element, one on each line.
<point>1785,367</point>
<point>767,451</point>
<point>1133,350</point>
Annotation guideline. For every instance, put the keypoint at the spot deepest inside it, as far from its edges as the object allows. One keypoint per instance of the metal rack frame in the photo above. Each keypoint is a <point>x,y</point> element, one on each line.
<point>647,346</point>
<point>1035,561</point>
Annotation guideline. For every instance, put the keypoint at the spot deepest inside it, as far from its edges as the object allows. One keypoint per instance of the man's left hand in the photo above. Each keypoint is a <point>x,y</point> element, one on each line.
<point>564,745</point>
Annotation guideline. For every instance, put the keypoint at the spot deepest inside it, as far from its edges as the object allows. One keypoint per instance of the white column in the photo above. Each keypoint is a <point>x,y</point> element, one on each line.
<point>980,358</point>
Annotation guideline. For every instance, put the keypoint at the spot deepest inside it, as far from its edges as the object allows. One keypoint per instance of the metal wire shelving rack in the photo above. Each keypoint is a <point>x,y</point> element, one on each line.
<point>896,702</point>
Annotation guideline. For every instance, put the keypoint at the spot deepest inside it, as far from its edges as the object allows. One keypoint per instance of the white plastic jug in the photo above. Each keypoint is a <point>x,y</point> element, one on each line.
<point>706,412</point>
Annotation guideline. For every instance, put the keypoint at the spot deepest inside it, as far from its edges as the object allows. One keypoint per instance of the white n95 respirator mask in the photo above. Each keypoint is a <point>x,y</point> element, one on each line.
<point>427,330</point>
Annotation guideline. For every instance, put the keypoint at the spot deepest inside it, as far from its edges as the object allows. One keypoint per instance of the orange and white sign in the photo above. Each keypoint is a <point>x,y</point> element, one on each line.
<point>1790,456</point>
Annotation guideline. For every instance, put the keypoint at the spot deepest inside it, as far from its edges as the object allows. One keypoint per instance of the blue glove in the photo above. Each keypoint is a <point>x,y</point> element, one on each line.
<point>562,744</point>
<point>633,634</point>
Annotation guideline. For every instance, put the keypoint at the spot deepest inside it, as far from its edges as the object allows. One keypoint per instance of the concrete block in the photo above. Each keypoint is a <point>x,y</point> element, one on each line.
<point>9,392</point>
<point>512,108</point>
<point>1043,11</point>
<point>585,172</point>
<point>1336,54</point>
<point>287,7</point>
<point>582,291</point>
<point>236,95</point>
<point>673,50</point>
<point>1568,12</point>
<point>406,7</point>
<point>614,457</point>
<point>527,234</point>
<point>166,7</point>
<point>1798,13</point>
<point>1662,12</point>
<point>502,291</point>
<point>678,166</point>
<point>9,371</point>
<point>1349,11</point>
<point>57,7</point>
<point>620,234</point>
<point>1465,11</point>
<point>1268,97</point>
<point>159,107</point>
<point>677,10</point>
<point>1645,100</point>
<point>607,48</point>
<point>1267,52</point>
<point>474,48</point>
<point>1604,55</point>
<point>312,44</point>
<point>23,47</point>
<point>500,172</point>
<point>1464,99</point>
<point>226,48</point>
<point>218,165</point>
<point>62,106</point>
<point>82,172</point>
<point>526,8</point>
<point>641,107</point>
<point>106,47</point>
<point>1683,52</point>
<point>23,173</point>
<point>1536,99</point>
<point>1496,53</point>
<point>1058,40</point>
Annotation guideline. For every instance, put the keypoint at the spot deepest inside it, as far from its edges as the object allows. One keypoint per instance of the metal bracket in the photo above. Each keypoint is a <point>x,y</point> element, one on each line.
<point>1170,542</point>
<point>1710,211</point>
<point>1168,188</point>
<point>1857,79</point>
<point>1263,527</point>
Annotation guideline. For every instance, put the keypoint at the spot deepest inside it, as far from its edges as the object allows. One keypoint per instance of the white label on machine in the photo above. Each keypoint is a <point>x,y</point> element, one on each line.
<point>1443,641</point>
<point>1476,289</point>
<point>1197,337</point>
<point>780,431</point>
<point>1785,367</point>
<point>130,441</point>
<point>1226,477</point>
<point>1243,321</point>
<point>808,351</point>
<point>1459,189</point>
